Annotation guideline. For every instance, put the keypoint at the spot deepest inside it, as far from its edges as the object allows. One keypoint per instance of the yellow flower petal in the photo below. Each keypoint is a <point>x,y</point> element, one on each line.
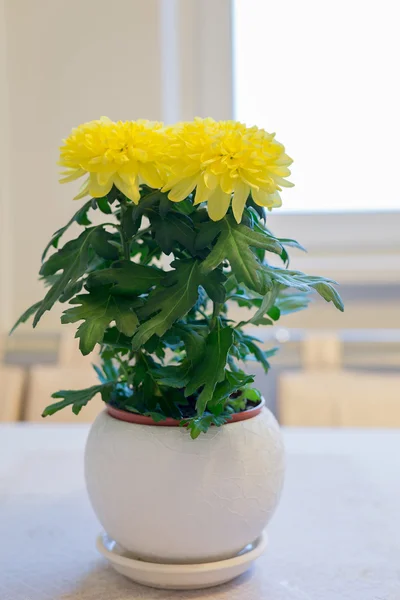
<point>84,190</point>
<point>128,178</point>
<point>218,204</point>
<point>283,182</point>
<point>263,198</point>
<point>130,190</point>
<point>240,195</point>
<point>226,183</point>
<point>72,175</point>
<point>149,174</point>
<point>104,179</point>
<point>96,189</point>
<point>202,192</point>
<point>210,180</point>
<point>181,190</point>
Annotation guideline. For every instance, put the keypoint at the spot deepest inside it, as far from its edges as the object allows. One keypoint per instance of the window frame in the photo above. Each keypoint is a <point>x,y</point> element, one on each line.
<point>346,245</point>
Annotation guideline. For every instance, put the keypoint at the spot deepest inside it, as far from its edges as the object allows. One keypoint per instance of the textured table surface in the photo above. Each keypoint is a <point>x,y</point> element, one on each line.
<point>336,534</point>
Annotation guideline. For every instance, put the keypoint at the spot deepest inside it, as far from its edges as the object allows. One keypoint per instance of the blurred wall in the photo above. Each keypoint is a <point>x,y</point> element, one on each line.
<point>62,62</point>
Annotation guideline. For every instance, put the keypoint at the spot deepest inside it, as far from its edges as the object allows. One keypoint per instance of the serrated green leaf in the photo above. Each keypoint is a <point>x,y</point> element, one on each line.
<point>306,283</point>
<point>26,315</point>
<point>234,244</point>
<point>210,369</point>
<point>126,278</point>
<point>73,260</point>
<point>207,233</point>
<point>198,425</point>
<point>103,205</point>
<point>79,217</point>
<point>115,339</point>
<point>266,304</point>
<point>213,283</point>
<point>172,229</point>
<point>77,399</point>
<point>169,301</point>
<point>193,338</point>
<point>103,244</point>
<point>289,303</point>
<point>71,290</point>
<point>185,207</point>
<point>328,293</point>
<point>129,224</point>
<point>252,348</point>
<point>165,207</point>
<point>291,243</point>
<point>97,310</point>
<point>146,202</point>
<point>233,382</point>
<point>175,376</point>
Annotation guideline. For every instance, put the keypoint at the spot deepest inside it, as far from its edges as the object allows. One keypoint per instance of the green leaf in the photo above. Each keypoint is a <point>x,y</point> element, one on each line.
<point>147,201</point>
<point>103,205</point>
<point>193,338</point>
<point>71,290</point>
<point>291,243</point>
<point>328,293</point>
<point>274,313</point>
<point>233,382</point>
<point>252,394</point>
<point>169,301</point>
<point>210,369</point>
<point>73,259</point>
<point>165,207</point>
<point>102,246</point>
<point>175,376</point>
<point>126,278</point>
<point>172,229</point>
<point>26,315</point>
<point>156,416</point>
<point>199,425</point>
<point>115,339</point>
<point>76,398</point>
<point>213,283</point>
<point>79,217</point>
<point>208,231</point>
<point>307,283</point>
<point>234,244</point>
<point>97,310</point>
<point>185,207</point>
<point>130,225</point>
<point>252,348</point>
<point>289,303</point>
<point>266,304</point>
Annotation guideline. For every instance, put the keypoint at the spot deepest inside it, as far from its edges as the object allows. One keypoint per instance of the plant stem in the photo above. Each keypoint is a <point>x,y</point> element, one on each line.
<point>126,244</point>
<point>122,365</point>
<point>140,233</point>
<point>216,310</point>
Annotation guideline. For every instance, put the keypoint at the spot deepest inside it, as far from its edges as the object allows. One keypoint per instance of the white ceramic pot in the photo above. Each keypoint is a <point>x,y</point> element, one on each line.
<point>168,498</point>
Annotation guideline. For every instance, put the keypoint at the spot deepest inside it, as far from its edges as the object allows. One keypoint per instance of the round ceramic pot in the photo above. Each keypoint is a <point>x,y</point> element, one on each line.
<point>168,498</point>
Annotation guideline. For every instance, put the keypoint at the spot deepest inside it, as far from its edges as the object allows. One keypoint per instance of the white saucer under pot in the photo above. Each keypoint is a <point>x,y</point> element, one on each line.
<point>179,577</point>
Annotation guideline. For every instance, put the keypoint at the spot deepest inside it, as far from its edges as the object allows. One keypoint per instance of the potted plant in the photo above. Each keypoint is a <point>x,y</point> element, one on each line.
<point>183,238</point>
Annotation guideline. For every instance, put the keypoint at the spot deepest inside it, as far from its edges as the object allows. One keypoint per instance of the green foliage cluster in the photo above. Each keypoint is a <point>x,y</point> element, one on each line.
<point>168,347</point>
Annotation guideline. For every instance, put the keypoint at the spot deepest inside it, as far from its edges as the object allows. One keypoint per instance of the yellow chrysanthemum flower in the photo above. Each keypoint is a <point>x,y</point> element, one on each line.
<point>124,154</point>
<point>225,161</point>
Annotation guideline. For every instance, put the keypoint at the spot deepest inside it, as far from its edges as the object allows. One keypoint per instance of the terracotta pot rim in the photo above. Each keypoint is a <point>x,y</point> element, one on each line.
<point>128,417</point>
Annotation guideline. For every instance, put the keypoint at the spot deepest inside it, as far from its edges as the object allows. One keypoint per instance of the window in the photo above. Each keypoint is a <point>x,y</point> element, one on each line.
<point>324,76</point>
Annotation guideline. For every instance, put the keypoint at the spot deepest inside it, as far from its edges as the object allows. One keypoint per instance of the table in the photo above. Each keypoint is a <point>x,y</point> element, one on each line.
<point>336,534</point>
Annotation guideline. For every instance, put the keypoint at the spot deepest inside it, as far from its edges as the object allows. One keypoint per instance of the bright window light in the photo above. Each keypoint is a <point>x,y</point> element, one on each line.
<point>324,75</point>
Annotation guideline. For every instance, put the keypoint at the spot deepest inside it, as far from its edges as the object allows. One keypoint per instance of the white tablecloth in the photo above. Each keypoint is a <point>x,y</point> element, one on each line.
<point>336,534</point>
